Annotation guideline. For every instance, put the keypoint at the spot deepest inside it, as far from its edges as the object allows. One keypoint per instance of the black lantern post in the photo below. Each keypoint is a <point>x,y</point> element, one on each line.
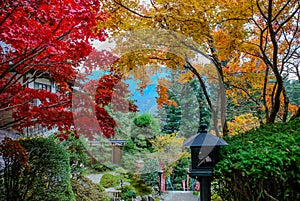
<point>205,149</point>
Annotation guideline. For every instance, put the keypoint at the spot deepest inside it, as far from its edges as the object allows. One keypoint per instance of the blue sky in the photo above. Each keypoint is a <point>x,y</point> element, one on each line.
<point>146,102</point>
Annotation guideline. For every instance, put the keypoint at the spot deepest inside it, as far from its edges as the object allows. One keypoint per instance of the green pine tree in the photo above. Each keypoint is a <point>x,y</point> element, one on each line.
<point>191,109</point>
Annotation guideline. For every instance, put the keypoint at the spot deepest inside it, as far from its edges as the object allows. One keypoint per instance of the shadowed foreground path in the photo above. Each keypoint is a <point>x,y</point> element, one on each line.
<point>180,196</point>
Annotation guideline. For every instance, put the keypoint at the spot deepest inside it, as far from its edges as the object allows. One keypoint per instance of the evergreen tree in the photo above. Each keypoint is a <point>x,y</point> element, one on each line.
<point>293,91</point>
<point>191,109</point>
<point>144,127</point>
<point>170,117</point>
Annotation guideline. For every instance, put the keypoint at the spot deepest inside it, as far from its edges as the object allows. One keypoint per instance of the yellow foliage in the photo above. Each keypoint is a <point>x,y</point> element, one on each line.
<point>161,142</point>
<point>233,32</point>
<point>168,148</point>
<point>242,123</point>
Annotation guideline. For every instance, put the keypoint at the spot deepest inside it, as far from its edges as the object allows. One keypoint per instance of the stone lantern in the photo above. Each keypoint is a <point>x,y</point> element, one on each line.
<point>205,149</point>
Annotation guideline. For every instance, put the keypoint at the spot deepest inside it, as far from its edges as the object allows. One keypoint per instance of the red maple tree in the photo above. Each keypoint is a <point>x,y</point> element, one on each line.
<point>89,104</point>
<point>47,39</point>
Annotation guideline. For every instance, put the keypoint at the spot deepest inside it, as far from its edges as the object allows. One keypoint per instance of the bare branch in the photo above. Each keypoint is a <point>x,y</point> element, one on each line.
<point>152,3</point>
<point>7,125</point>
<point>287,19</point>
<point>213,111</point>
<point>270,196</point>
<point>282,9</point>
<point>11,107</point>
<point>248,94</point>
<point>195,72</point>
<point>260,10</point>
<point>21,61</point>
<point>132,11</point>
<point>7,15</point>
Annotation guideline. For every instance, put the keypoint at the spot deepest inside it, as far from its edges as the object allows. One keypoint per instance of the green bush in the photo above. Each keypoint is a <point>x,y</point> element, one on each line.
<point>139,185</point>
<point>77,152</point>
<point>127,193</point>
<point>145,126</point>
<point>85,190</point>
<point>109,180</point>
<point>150,172</point>
<point>262,164</point>
<point>48,175</point>
<point>99,167</point>
<point>180,172</point>
<point>143,120</point>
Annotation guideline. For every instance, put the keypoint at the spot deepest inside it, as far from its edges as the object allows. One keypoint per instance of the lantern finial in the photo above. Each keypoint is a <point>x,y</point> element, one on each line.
<point>203,127</point>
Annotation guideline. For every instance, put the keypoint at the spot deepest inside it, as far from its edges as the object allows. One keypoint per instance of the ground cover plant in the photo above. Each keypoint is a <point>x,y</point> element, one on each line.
<point>109,180</point>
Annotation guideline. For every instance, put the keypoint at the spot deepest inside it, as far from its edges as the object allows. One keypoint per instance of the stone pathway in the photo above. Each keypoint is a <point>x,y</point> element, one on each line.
<point>180,196</point>
<point>95,177</point>
<point>167,196</point>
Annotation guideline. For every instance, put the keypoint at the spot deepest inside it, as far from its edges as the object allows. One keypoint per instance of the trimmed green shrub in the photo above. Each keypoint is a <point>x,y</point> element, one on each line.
<point>48,175</point>
<point>261,164</point>
<point>50,170</point>
<point>109,180</point>
<point>85,190</point>
<point>145,126</point>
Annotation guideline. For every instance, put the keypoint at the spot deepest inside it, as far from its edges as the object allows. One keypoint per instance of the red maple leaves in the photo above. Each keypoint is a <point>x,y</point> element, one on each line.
<point>47,35</point>
<point>90,103</point>
<point>48,40</point>
<point>13,153</point>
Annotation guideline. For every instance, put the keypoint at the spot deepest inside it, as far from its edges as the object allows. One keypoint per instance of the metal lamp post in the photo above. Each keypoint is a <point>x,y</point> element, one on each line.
<point>205,150</point>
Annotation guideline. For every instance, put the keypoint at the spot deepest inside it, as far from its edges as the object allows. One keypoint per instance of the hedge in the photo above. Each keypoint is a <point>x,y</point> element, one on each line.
<point>262,164</point>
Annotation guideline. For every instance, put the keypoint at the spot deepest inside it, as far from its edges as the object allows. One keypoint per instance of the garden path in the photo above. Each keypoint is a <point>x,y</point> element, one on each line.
<point>167,196</point>
<point>95,177</point>
<point>180,196</point>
